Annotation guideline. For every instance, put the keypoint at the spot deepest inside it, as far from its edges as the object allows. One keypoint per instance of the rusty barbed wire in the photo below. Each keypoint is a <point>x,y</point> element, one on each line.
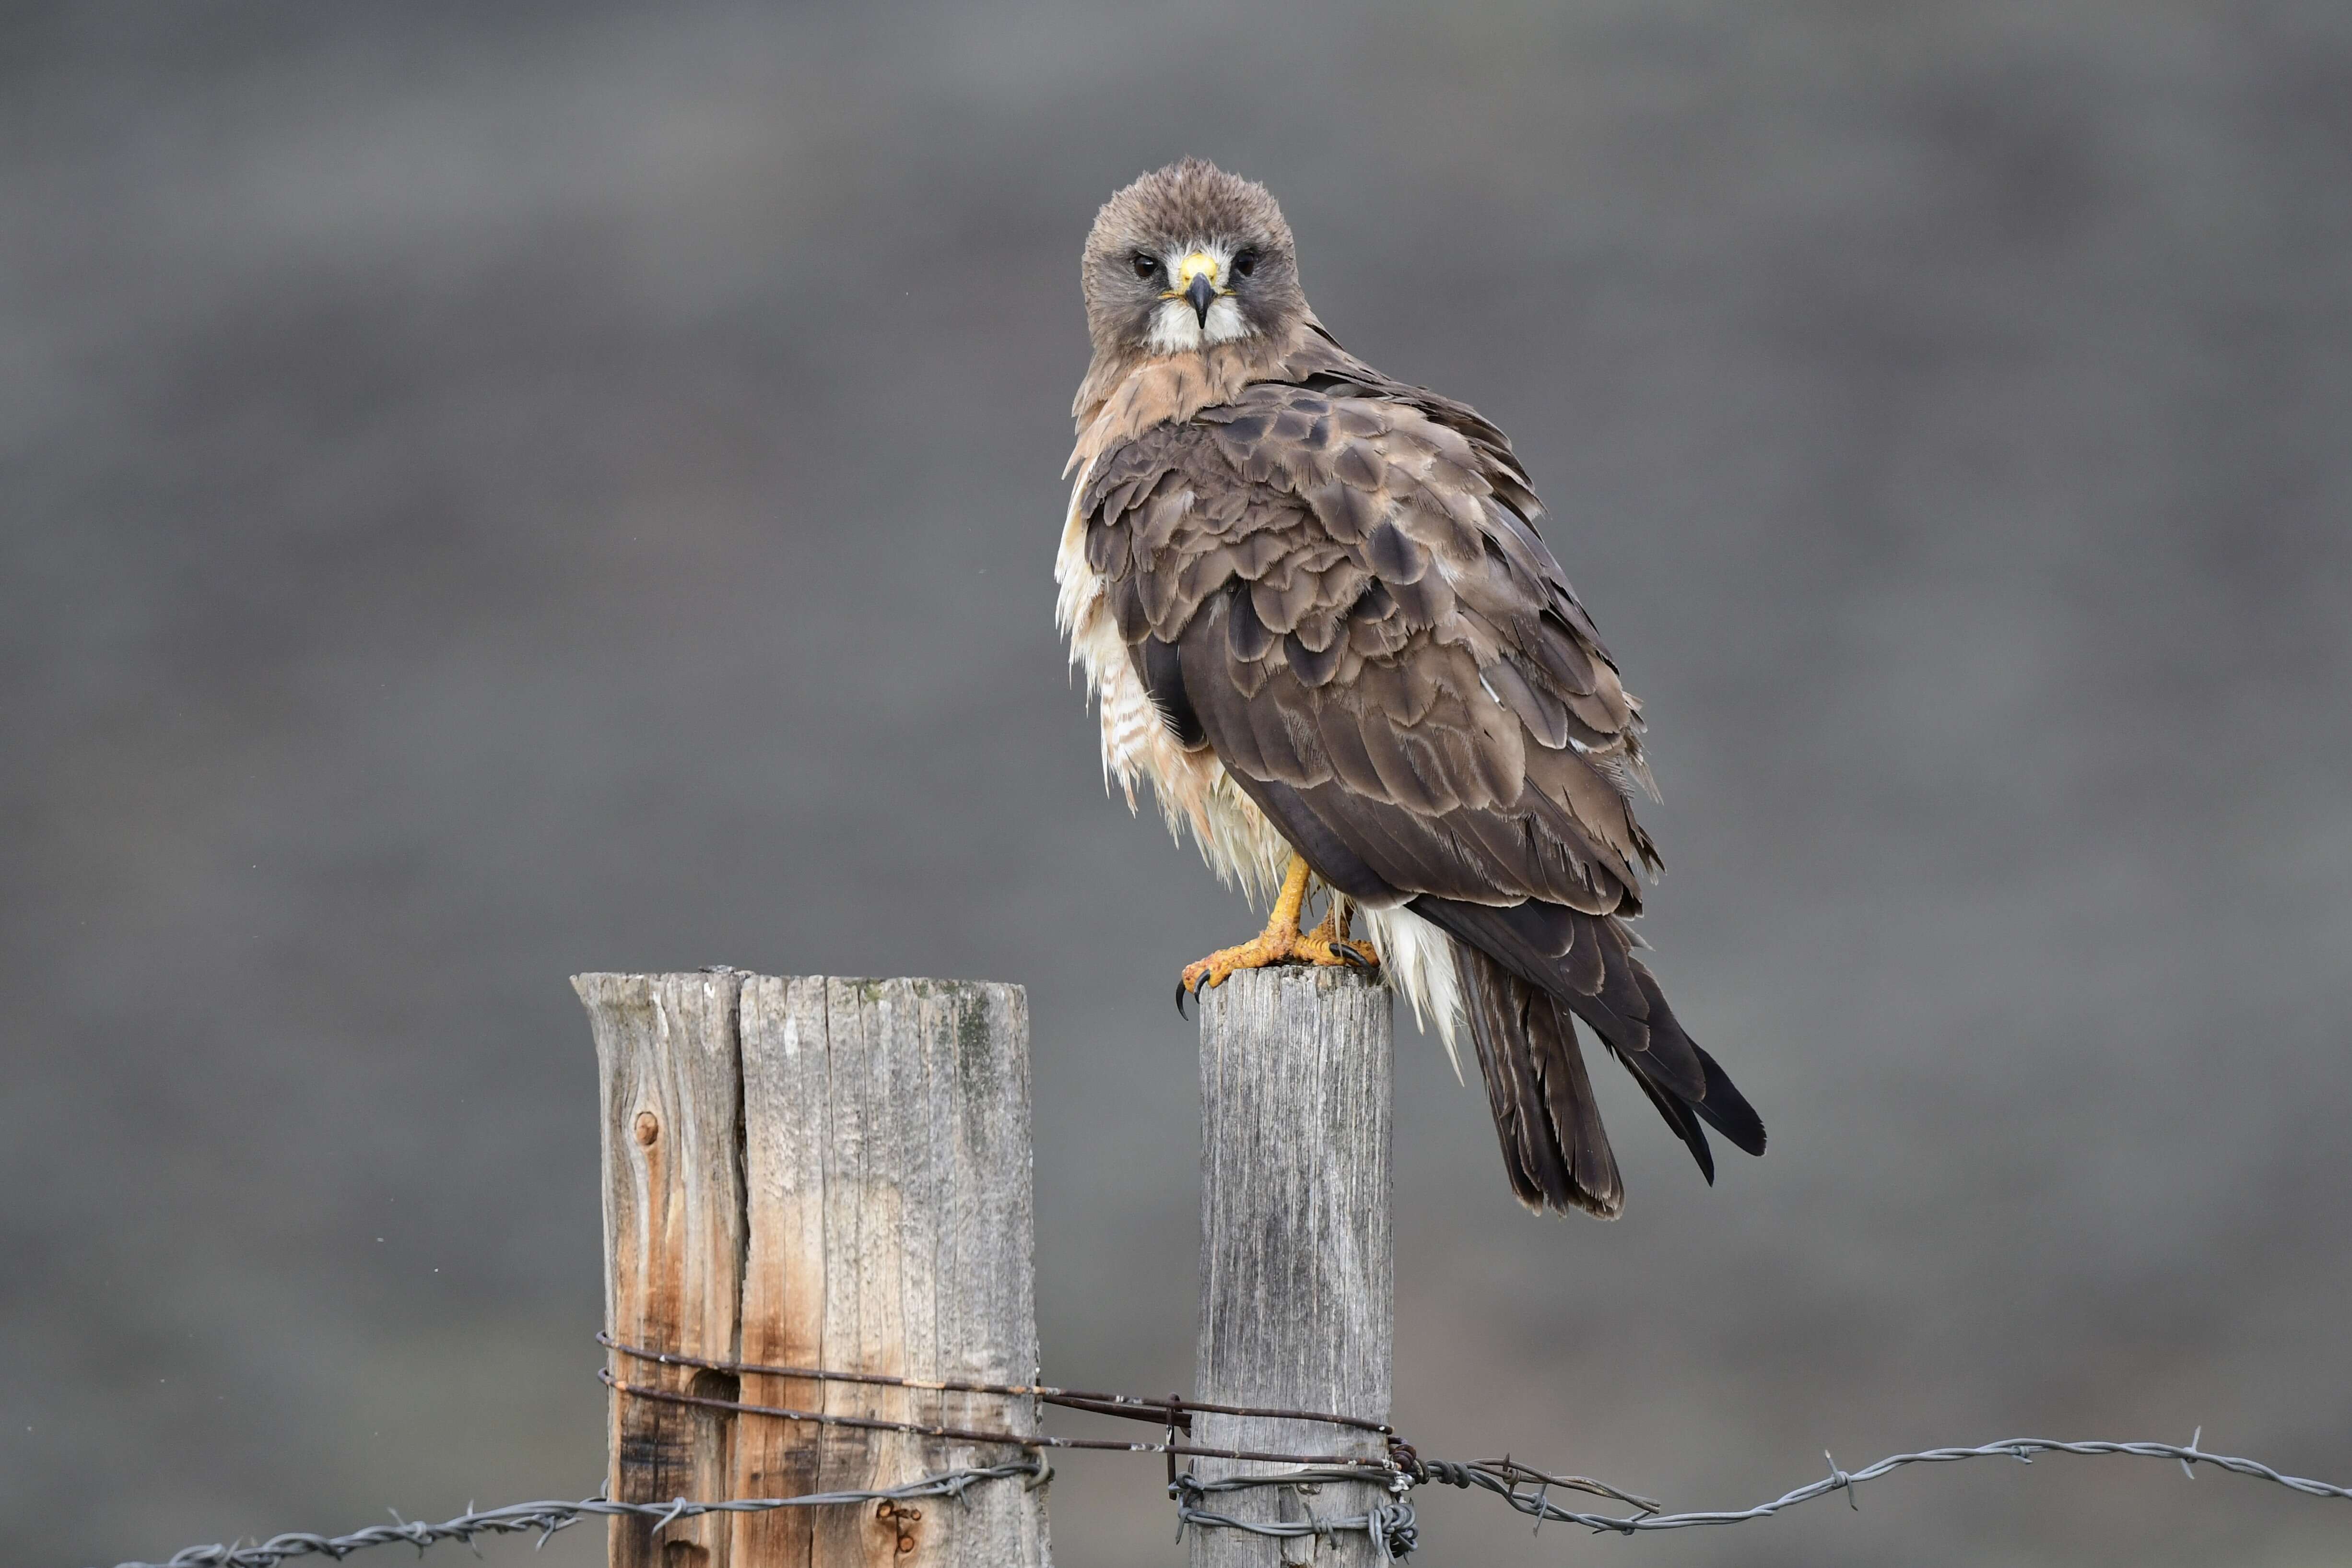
<point>1373,1467</point>
<point>1173,1412</point>
<point>1172,1409</point>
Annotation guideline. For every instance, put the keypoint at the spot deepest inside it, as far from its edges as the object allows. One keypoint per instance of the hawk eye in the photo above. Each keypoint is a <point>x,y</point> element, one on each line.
<point>1244,263</point>
<point>1145,266</point>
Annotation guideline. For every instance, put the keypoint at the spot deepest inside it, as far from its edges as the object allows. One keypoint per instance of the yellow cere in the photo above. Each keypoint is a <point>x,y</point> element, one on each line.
<point>1200,261</point>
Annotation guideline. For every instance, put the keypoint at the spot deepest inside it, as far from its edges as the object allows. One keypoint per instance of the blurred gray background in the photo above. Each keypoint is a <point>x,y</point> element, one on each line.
<point>493,491</point>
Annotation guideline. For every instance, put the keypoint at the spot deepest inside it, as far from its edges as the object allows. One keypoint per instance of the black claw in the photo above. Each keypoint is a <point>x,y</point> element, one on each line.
<point>1181,994</point>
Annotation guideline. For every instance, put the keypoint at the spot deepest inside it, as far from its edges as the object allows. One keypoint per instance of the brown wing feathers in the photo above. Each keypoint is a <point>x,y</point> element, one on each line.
<point>1338,587</point>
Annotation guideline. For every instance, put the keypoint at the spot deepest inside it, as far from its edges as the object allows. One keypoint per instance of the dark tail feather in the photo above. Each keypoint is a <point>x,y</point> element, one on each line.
<point>1718,1103</point>
<point>1553,1146</point>
<point>1586,962</point>
<point>1677,1112</point>
<point>1727,1109</point>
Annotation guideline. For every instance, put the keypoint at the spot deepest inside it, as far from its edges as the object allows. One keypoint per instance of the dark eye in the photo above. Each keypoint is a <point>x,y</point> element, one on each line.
<point>1145,266</point>
<point>1244,263</point>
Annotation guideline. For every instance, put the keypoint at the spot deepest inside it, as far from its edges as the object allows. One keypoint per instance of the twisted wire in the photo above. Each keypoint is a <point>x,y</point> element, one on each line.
<point>1392,1525</point>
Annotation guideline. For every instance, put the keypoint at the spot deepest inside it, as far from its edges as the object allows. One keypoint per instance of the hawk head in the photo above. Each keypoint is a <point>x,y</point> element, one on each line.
<point>1186,256</point>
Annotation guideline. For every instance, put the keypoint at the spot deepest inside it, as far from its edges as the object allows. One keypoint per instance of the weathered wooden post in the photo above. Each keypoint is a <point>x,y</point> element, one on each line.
<point>1297,1264</point>
<point>816,1173</point>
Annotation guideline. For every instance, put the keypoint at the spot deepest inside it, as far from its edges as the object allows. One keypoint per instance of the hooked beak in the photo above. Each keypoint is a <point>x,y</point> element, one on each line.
<point>1202,294</point>
<point>1196,280</point>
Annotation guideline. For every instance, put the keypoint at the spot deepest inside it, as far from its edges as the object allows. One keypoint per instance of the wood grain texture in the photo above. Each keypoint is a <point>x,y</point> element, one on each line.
<point>887,1172</point>
<point>1296,1262</point>
<point>671,1093</point>
<point>878,1151</point>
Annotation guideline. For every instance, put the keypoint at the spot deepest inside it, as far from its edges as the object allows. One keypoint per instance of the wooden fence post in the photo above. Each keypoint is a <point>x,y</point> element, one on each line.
<point>817,1172</point>
<point>1296,1263</point>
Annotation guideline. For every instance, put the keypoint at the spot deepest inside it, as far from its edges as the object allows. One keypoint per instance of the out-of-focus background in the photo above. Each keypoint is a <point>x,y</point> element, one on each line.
<point>493,491</point>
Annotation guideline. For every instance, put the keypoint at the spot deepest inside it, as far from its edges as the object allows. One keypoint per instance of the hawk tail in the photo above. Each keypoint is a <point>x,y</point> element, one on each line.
<point>1554,1146</point>
<point>1525,970</point>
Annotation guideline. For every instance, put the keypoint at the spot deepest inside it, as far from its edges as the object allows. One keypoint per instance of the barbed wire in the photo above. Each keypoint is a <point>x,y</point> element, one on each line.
<point>1172,1411</point>
<point>544,1519</point>
<point>1530,1495</point>
<point>1392,1525</point>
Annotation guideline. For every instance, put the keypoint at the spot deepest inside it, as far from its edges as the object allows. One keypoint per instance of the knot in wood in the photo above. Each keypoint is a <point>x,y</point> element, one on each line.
<point>648,1129</point>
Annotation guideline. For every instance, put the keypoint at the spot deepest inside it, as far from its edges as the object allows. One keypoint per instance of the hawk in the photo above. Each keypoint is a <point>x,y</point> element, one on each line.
<point>1313,607</point>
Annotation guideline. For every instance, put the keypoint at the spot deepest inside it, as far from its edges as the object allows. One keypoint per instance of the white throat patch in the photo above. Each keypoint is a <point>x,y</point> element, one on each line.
<point>1174,327</point>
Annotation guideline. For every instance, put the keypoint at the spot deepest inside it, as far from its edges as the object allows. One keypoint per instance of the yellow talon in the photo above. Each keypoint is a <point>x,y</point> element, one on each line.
<point>1281,943</point>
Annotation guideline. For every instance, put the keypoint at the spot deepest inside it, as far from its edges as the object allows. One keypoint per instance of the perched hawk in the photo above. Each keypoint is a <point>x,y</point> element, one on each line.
<point>1313,605</point>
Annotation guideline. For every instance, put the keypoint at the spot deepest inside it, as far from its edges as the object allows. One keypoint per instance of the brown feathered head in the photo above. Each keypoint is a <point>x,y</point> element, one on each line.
<point>1186,256</point>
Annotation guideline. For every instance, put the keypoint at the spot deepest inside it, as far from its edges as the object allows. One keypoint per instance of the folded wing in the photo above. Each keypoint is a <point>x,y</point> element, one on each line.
<point>1336,585</point>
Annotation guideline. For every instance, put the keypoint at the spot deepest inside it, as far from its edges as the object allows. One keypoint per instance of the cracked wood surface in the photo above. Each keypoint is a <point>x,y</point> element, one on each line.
<point>848,1187</point>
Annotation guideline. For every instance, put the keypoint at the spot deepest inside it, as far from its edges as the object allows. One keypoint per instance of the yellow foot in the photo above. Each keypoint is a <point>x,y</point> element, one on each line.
<point>1281,943</point>
<point>1264,951</point>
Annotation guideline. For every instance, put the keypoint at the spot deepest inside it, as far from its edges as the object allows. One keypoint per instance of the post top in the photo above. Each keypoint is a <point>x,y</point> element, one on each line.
<point>594,980</point>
